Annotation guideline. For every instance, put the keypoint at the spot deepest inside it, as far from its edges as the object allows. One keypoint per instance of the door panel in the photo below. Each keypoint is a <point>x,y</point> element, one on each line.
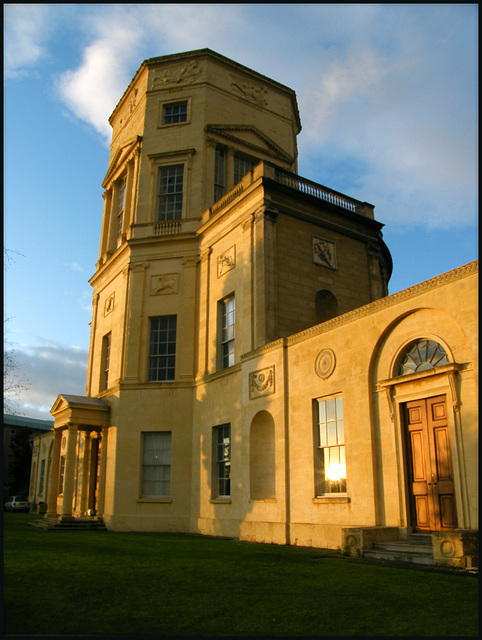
<point>431,486</point>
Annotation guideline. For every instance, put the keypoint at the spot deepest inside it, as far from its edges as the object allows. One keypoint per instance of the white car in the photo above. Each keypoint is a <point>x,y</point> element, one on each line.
<point>17,503</point>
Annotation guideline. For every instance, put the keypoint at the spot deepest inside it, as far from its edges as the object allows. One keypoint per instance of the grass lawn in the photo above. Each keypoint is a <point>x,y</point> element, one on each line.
<point>152,584</point>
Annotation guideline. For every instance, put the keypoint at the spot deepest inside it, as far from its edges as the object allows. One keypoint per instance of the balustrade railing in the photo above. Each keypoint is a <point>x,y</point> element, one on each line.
<point>226,199</point>
<point>317,190</point>
<point>166,228</point>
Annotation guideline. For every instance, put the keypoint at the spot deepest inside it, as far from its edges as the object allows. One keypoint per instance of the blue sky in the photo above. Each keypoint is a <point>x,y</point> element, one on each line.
<point>388,101</point>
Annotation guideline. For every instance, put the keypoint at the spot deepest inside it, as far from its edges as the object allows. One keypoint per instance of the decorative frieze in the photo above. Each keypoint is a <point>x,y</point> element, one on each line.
<point>164,284</point>
<point>179,74</point>
<point>261,383</point>
<point>226,261</point>
<point>324,252</point>
<point>251,92</point>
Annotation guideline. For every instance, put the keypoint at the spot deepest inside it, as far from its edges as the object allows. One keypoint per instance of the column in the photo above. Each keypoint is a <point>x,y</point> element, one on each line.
<point>69,471</point>
<point>84,500</point>
<point>53,488</point>
<point>102,472</point>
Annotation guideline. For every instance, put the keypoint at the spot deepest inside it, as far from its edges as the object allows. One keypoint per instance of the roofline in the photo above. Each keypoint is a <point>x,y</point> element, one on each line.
<point>31,423</point>
<point>196,53</point>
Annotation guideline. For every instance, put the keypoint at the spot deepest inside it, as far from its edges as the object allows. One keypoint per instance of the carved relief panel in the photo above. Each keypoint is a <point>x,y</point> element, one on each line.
<point>109,304</point>
<point>324,252</point>
<point>164,284</point>
<point>261,383</point>
<point>226,261</point>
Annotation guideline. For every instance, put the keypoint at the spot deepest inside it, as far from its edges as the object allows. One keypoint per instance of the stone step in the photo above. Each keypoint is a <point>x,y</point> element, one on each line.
<point>420,539</point>
<point>396,556</point>
<point>77,524</point>
<point>400,546</point>
<point>415,549</point>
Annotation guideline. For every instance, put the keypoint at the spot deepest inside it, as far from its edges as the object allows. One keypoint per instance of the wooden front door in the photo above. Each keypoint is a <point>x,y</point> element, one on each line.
<point>430,482</point>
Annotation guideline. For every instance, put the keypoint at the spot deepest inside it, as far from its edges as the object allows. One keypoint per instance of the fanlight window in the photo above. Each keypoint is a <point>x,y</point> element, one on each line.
<point>422,355</point>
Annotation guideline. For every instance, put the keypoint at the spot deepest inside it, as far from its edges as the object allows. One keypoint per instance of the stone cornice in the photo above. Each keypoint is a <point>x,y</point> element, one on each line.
<point>266,348</point>
<point>209,377</point>
<point>389,301</point>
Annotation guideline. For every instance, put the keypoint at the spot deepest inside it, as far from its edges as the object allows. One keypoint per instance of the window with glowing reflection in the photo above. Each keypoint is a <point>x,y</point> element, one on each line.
<point>420,356</point>
<point>330,468</point>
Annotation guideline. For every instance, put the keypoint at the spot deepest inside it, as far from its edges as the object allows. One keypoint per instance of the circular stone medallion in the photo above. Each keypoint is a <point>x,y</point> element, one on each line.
<point>325,363</point>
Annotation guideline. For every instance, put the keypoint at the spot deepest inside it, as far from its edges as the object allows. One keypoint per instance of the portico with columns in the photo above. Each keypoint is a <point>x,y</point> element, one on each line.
<point>77,474</point>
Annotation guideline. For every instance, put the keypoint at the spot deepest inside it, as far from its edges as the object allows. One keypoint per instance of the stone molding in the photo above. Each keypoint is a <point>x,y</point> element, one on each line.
<point>387,302</point>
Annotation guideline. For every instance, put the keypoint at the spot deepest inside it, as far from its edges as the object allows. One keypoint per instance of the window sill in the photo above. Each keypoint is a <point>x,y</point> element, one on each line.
<point>220,501</point>
<point>154,500</point>
<point>331,500</point>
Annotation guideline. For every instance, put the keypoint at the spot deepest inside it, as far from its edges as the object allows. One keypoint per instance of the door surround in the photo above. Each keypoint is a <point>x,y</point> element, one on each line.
<point>417,386</point>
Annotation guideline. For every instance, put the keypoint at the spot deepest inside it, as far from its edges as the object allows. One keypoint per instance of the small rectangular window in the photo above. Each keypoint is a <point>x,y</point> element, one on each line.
<point>174,112</point>
<point>104,384</point>
<point>156,464</point>
<point>330,467</point>
<point>162,349</point>
<point>219,173</point>
<point>170,193</point>
<point>227,332</point>
<point>242,164</point>
<point>222,461</point>
<point>42,478</point>
<point>121,201</point>
<point>61,475</point>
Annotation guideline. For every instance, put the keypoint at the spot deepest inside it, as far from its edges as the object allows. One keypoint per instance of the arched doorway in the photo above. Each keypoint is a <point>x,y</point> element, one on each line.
<point>430,481</point>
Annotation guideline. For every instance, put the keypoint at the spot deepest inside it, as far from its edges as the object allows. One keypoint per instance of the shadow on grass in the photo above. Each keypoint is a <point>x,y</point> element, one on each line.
<point>153,584</point>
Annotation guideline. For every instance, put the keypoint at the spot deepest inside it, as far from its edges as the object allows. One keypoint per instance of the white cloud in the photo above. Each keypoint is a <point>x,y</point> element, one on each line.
<point>383,89</point>
<point>26,30</point>
<point>92,91</point>
<point>121,37</point>
<point>50,368</point>
<point>75,267</point>
<point>404,119</point>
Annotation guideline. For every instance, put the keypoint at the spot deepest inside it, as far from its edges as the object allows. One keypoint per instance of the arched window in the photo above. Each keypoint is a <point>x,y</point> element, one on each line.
<point>421,355</point>
<point>326,305</point>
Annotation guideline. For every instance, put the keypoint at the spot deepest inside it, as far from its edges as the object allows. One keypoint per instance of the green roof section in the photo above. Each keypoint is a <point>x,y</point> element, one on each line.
<point>31,423</point>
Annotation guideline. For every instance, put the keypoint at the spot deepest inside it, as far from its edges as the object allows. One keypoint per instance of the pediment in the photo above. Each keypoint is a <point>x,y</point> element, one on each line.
<point>249,137</point>
<point>82,411</point>
<point>120,158</point>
